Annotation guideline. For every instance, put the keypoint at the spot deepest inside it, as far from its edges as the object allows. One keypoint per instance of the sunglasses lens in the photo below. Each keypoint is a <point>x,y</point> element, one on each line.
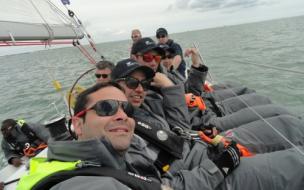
<point>157,58</point>
<point>148,57</point>
<point>104,76</point>
<point>106,107</point>
<point>132,83</point>
<point>110,107</point>
<point>128,108</point>
<point>98,75</point>
<point>145,84</point>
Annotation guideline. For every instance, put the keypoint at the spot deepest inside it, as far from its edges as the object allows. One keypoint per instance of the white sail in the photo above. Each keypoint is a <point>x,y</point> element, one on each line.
<point>35,20</point>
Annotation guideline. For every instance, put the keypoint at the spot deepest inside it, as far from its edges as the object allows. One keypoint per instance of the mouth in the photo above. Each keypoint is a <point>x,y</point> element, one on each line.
<point>120,129</point>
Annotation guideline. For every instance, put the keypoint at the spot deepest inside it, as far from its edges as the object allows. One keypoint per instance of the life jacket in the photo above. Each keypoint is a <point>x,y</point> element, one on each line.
<point>169,144</point>
<point>195,101</point>
<point>30,148</point>
<point>44,175</point>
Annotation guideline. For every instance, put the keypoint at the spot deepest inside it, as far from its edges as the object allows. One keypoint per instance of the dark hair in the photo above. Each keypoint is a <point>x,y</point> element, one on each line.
<point>105,64</point>
<point>82,98</point>
<point>6,123</point>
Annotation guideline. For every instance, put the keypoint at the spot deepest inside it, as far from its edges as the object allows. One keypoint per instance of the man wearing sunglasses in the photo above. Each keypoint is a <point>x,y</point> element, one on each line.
<point>178,60</point>
<point>172,112</point>
<point>103,71</point>
<point>20,139</point>
<point>167,59</point>
<point>146,52</point>
<point>104,132</point>
<point>250,175</point>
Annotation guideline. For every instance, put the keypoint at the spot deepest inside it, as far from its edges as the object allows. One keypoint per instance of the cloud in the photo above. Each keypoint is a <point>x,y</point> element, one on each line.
<point>211,5</point>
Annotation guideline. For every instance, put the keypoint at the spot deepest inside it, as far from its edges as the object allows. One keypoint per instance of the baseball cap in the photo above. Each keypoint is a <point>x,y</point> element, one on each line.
<point>144,45</point>
<point>127,66</point>
<point>161,31</point>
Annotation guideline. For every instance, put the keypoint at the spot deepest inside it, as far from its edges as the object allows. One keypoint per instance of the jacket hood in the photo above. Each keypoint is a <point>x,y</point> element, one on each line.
<point>95,151</point>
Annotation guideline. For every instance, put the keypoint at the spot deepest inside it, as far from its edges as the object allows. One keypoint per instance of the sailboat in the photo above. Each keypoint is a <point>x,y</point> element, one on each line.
<point>38,30</point>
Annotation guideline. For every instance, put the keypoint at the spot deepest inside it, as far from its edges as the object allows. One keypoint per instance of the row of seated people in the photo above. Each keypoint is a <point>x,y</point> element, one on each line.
<point>179,143</point>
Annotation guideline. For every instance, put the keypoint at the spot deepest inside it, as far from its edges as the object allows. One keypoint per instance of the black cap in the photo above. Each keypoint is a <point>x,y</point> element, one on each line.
<point>127,66</point>
<point>161,31</point>
<point>144,45</point>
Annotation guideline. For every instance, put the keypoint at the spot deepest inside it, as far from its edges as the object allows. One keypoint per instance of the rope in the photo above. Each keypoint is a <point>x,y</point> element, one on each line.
<point>203,62</point>
<point>84,52</point>
<point>64,17</point>
<point>263,119</point>
<point>272,67</point>
<point>269,124</point>
<point>87,35</point>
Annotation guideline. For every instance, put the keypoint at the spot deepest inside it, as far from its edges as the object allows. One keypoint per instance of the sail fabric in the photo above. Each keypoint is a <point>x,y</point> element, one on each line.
<point>34,20</point>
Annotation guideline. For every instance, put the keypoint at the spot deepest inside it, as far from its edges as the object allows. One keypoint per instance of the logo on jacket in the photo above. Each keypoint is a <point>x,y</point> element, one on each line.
<point>144,125</point>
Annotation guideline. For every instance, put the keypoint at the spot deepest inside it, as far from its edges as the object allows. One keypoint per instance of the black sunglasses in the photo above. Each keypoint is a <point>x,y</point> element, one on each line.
<point>168,56</point>
<point>109,108</point>
<point>101,75</point>
<point>133,83</point>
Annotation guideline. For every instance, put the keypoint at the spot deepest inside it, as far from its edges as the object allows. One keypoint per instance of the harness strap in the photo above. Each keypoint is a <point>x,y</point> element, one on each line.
<point>132,180</point>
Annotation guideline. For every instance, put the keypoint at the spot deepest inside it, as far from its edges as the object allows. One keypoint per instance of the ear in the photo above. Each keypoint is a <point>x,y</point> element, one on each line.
<point>77,124</point>
<point>134,57</point>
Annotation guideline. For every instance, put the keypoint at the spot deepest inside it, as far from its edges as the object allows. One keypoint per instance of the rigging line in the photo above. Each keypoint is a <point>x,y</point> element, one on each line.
<point>272,67</point>
<point>201,58</point>
<point>84,52</point>
<point>270,125</point>
<point>87,35</point>
<point>264,120</point>
<point>60,13</point>
<point>66,18</point>
<point>47,26</point>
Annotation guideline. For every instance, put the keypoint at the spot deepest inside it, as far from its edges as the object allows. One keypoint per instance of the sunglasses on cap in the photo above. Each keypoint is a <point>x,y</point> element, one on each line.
<point>133,83</point>
<point>149,57</point>
<point>101,75</point>
<point>108,108</point>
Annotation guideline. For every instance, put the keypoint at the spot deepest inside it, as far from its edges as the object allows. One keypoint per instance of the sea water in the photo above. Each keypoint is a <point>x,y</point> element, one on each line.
<point>26,79</point>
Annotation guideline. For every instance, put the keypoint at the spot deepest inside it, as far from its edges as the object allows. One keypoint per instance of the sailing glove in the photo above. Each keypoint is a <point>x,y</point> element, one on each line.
<point>228,158</point>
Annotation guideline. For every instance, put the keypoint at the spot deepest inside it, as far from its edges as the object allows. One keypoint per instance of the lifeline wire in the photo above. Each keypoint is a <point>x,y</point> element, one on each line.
<point>269,124</point>
<point>272,67</point>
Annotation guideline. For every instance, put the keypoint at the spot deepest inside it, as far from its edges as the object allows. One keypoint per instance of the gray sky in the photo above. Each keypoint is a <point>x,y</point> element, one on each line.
<point>114,19</point>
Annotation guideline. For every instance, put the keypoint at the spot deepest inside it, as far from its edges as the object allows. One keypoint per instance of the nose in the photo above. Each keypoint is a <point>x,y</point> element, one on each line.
<point>139,88</point>
<point>120,115</point>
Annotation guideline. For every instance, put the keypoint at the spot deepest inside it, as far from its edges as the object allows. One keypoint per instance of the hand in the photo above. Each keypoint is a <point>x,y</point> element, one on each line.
<point>16,162</point>
<point>193,52</point>
<point>160,80</point>
<point>228,159</point>
<point>210,131</point>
